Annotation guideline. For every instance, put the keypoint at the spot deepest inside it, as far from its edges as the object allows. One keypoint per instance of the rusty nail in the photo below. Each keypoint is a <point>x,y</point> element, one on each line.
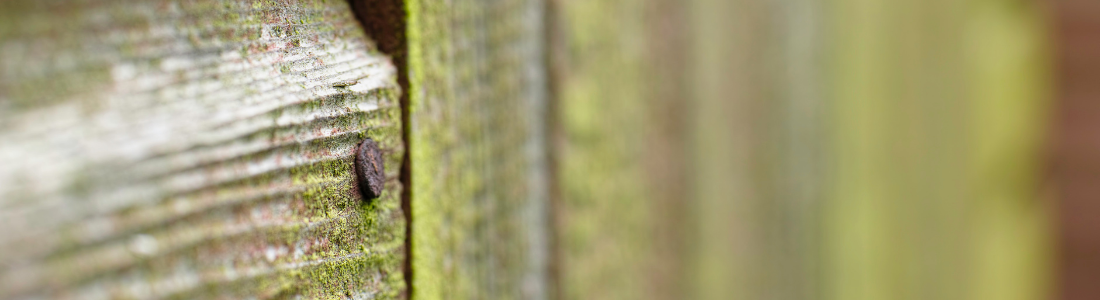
<point>370,169</point>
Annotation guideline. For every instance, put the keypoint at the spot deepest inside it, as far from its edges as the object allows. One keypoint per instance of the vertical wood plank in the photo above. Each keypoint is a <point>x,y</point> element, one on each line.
<point>619,132</point>
<point>478,152</point>
<point>1074,145</point>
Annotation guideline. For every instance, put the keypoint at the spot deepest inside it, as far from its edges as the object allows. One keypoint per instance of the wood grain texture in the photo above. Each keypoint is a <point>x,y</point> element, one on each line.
<point>478,157</point>
<point>193,149</point>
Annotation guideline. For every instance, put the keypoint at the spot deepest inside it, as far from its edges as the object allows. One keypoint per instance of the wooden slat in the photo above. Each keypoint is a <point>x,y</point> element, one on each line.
<point>478,153</point>
<point>619,198</point>
<point>198,149</point>
<point>1075,146</point>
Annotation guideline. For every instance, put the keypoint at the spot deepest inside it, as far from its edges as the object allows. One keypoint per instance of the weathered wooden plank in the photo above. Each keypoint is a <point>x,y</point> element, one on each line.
<point>193,149</point>
<point>477,151</point>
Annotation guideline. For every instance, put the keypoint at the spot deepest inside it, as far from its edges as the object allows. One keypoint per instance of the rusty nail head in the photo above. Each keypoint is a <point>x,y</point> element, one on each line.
<point>370,169</point>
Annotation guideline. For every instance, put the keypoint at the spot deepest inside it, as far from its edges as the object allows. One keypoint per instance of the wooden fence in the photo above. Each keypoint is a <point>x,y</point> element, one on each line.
<point>544,149</point>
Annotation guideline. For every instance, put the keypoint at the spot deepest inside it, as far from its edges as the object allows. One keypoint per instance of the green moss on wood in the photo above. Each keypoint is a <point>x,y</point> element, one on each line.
<point>261,203</point>
<point>470,173</point>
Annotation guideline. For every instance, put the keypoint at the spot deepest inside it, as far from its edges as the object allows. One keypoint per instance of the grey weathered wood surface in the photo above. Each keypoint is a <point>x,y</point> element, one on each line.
<point>194,149</point>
